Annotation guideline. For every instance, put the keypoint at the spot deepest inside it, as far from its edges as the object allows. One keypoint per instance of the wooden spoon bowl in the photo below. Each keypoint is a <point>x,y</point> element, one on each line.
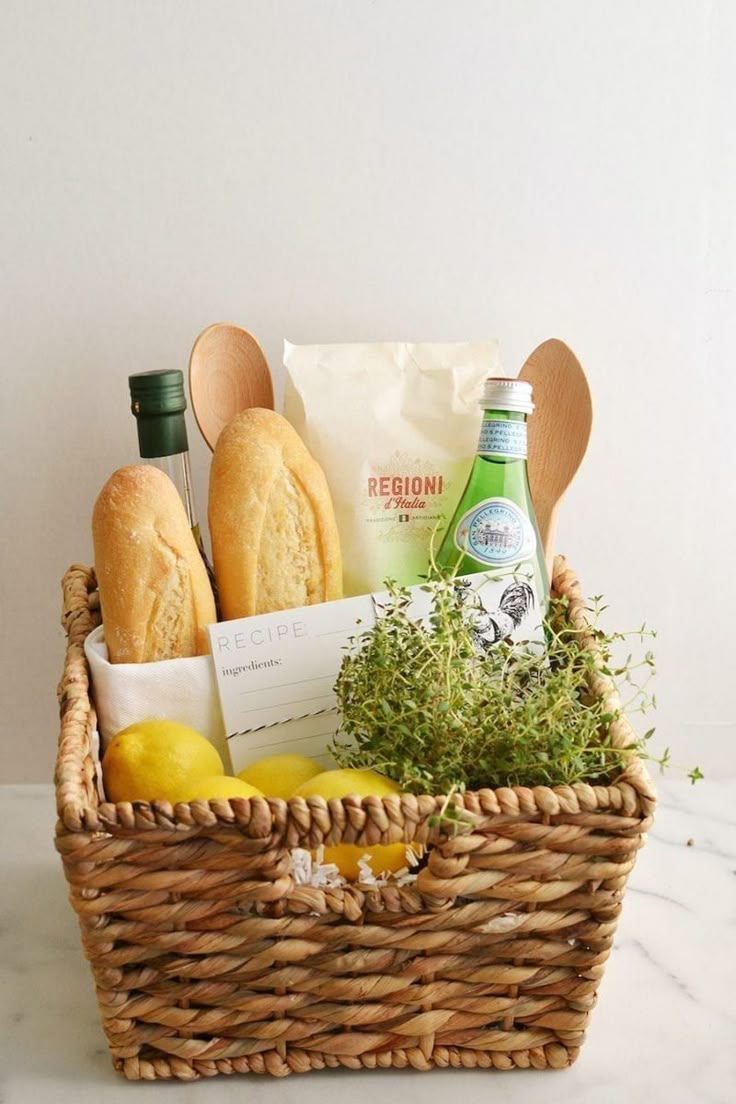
<point>228,372</point>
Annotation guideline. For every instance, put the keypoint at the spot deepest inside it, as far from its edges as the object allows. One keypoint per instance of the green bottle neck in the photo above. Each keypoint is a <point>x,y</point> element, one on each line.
<point>503,436</point>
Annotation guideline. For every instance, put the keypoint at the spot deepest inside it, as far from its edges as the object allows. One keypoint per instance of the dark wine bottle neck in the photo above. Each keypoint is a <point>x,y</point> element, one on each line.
<point>161,435</point>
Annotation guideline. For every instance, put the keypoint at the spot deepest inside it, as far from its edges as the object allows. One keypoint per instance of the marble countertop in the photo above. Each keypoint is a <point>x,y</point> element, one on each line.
<point>664,1028</point>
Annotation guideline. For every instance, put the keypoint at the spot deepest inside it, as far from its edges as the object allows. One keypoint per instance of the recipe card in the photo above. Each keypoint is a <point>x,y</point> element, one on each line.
<point>275,677</point>
<point>276,672</point>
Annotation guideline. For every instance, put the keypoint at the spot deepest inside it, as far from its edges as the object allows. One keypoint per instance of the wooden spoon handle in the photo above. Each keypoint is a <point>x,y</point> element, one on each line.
<point>548,536</point>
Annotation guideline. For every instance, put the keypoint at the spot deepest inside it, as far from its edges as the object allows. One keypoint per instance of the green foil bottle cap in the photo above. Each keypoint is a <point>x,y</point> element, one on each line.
<point>158,401</point>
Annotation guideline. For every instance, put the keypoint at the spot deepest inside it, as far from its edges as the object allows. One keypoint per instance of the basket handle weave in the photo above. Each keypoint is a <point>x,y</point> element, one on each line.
<point>75,774</point>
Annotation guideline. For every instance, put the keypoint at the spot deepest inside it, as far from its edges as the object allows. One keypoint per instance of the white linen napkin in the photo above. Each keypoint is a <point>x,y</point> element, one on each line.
<point>181,690</point>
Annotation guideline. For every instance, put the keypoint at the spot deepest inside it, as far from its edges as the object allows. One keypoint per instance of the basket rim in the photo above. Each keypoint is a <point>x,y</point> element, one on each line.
<point>388,819</point>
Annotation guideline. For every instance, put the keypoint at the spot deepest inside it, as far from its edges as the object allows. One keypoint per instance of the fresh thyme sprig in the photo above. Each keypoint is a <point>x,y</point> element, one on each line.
<point>420,705</point>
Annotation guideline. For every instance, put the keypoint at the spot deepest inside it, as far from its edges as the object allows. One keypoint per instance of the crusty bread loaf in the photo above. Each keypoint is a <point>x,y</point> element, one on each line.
<point>155,595</point>
<point>274,536</point>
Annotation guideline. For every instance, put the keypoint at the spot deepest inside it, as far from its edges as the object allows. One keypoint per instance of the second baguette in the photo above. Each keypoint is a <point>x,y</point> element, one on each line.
<point>274,537</point>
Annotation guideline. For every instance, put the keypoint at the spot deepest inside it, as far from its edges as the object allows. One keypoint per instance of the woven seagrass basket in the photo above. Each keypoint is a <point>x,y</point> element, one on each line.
<point>208,959</point>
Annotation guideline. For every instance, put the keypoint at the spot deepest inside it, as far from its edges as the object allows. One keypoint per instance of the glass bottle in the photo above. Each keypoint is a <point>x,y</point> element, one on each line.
<point>494,528</point>
<point>158,401</point>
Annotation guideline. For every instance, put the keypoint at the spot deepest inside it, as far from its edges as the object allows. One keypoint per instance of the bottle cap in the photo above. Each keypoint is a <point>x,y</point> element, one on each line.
<point>502,393</point>
<point>158,401</point>
<point>160,392</point>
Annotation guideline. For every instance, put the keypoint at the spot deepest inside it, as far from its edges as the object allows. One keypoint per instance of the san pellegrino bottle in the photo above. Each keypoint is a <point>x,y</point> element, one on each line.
<point>494,528</point>
<point>158,401</point>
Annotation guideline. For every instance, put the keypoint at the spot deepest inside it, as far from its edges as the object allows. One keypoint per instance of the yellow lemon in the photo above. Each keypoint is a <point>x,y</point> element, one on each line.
<point>340,783</point>
<point>216,785</point>
<point>279,775</point>
<point>365,783</point>
<point>153,760</point>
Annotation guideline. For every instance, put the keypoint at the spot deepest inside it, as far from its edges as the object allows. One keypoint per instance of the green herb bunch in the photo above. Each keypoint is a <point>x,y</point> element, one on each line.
<point>422,706</point>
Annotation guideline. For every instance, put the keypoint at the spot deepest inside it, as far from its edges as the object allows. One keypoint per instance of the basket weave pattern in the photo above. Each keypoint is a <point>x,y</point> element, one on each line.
<point>208,959</point>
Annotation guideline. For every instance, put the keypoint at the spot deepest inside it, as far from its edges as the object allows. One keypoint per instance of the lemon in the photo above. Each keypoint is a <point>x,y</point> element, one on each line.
<point>279,775</point>
<point>216,785</point>
<point>365,783</point>
<point>155,759</point>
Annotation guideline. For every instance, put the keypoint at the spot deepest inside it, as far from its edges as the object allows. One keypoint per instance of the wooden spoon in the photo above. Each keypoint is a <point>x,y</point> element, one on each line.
<point>559,431</point>
<point>227,373</point>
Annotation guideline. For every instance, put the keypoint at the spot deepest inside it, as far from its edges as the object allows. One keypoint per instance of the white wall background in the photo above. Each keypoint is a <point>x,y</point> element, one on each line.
<point>394,169</point>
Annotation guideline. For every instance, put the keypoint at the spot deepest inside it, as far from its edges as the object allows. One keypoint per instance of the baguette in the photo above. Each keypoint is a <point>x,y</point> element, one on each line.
<point>274,537</point>
<point>155,595</point>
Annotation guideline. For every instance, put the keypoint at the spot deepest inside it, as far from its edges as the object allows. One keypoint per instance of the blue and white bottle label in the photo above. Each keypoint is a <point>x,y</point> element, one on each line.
<point>496,532</point>
<point>500,438</point>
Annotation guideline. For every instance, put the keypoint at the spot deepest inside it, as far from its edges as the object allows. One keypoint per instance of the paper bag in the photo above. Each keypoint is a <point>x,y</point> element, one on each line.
<point>395,428</point>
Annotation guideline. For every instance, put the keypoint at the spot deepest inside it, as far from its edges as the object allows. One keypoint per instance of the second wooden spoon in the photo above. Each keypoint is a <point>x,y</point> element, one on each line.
<point>558,433</point>
<point>228,372</point>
